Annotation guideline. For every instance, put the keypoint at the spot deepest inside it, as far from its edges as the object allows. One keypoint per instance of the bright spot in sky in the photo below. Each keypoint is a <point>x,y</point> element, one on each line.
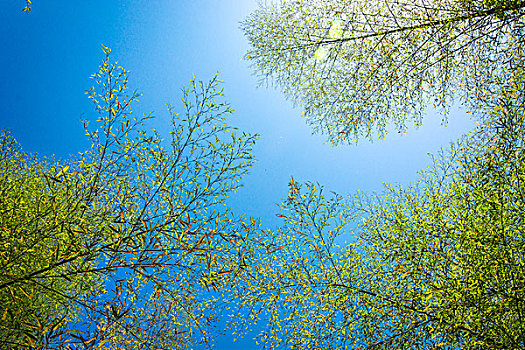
<point>336,30</point>
<point>320,53</point>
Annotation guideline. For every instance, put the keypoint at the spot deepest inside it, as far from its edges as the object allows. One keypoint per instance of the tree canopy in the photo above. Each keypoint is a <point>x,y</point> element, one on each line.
<point>131,245</point>
<point>439,264</point>
<point>124,246</point>
<point>362,68</point>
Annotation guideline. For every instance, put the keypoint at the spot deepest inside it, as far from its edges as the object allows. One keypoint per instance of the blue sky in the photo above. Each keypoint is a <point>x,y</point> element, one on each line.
<point>48,56</point>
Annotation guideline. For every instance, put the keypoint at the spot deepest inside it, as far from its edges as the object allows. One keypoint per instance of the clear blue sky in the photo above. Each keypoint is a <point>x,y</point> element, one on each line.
<point>47,57</point>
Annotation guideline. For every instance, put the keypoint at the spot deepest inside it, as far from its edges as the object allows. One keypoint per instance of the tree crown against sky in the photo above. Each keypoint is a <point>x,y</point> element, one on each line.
<point>127,245</point>
<point>438,264</point>
<point>362,69</point>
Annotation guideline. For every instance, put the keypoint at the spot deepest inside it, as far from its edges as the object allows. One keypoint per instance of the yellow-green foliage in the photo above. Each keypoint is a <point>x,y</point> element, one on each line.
<point>436,265</point>
<point>39,223</point>
<point>363,68</point>
<point>120,246</point>
<point>501,7</point>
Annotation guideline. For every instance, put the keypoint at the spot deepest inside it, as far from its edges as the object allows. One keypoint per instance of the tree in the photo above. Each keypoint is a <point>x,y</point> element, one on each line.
<point>440,264</point>
<point>363,68</point>
<point>27,8</point>
<point>125,246</point>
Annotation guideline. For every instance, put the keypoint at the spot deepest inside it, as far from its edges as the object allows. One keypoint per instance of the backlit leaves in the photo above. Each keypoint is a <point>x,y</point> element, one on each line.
<point>123,246</point>
<point>439,264</point>
<point>362,68</point>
